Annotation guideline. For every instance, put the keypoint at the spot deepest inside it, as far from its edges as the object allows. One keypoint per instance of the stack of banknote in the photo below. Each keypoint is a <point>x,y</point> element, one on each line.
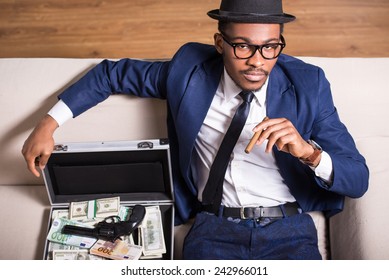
<point>151,234</point>
<point>150,241</point>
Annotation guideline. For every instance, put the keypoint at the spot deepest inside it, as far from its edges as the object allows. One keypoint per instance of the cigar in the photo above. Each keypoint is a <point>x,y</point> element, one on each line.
<point>254,139</point>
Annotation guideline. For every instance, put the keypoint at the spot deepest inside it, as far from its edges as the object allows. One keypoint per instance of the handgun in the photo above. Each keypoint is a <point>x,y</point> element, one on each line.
<point>111,228</point>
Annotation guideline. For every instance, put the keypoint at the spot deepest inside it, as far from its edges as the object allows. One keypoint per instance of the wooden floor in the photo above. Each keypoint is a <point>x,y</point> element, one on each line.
<point>156,28</point>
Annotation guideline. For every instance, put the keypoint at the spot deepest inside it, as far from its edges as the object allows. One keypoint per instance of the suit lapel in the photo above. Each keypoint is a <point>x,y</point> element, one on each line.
<point>195,105</point>
<point>280,97</point>
<point>282,103</point>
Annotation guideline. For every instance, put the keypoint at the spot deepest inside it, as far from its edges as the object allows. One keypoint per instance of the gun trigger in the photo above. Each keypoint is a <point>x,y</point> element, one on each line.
<point>112,219</point>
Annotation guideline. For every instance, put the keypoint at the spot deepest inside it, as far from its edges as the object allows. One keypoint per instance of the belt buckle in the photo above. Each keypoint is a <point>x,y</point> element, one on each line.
<point>257,213</point>
<point>242,216</point>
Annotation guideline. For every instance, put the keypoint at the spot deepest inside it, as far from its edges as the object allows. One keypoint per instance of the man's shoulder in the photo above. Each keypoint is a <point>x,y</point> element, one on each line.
<point>296,70</point>
<point>291,62</point>
<point>196,52</point>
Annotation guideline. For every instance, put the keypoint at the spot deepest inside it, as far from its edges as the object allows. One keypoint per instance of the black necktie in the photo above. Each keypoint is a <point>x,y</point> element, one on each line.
<point>212,194</point>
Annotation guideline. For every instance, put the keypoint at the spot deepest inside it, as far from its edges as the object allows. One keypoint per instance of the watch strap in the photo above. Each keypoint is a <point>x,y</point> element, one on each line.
<point>313,157</point>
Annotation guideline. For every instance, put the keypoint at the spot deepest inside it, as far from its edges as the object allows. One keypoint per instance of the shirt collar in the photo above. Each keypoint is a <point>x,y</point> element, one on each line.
<point>231,89</point>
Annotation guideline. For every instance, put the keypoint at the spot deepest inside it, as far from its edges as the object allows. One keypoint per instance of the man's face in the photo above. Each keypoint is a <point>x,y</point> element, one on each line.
<point>251,73</point>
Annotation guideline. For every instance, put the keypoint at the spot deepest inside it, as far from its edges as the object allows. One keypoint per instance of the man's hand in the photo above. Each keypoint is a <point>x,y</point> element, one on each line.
<point>282,133</point>
<point>40,144</point>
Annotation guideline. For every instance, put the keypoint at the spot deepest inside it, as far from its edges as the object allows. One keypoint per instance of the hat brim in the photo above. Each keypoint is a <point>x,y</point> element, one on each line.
<point>251,18</point>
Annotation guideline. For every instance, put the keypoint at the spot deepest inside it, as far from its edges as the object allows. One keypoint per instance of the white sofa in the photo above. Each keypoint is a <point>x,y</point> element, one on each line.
<point>29,87</point>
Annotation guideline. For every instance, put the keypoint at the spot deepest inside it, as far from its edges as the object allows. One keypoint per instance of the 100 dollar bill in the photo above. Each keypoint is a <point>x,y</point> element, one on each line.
<point>152,236</point>
<point>98,208</point>
<point>74,255</point>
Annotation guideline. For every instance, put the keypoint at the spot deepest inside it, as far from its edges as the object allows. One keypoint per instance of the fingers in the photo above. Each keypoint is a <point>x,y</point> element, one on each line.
<point>36,158</point>
<point>43,159</point>
<point>31,161</point>
<point>31,165</point>
<point>280,133</point>
<point>270,129</point>
<point>282,142</point>
<point>39,145</point>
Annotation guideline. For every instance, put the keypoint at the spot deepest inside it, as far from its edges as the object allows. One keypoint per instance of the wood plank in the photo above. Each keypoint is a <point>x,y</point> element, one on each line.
<point>155,29</point>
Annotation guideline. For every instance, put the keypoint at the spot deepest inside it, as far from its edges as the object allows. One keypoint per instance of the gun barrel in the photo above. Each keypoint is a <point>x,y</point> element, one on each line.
<point>83,231</point>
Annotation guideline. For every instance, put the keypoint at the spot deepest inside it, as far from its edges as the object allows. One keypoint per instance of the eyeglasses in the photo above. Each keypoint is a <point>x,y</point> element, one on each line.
<point>268,51</point>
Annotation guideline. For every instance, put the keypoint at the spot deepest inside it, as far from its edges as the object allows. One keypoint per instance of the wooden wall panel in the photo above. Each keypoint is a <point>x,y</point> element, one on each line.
<point>155,29</point>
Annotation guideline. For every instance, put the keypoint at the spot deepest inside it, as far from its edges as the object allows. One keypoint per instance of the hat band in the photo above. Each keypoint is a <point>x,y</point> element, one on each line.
<point>225,13</point>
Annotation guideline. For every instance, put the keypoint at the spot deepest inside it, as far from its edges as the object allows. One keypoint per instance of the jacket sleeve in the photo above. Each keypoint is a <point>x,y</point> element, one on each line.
<point>127,76</point>
<point>350,172</point>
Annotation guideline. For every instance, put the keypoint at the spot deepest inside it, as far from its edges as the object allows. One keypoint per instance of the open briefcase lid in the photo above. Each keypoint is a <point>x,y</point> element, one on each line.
<point>137,171</point>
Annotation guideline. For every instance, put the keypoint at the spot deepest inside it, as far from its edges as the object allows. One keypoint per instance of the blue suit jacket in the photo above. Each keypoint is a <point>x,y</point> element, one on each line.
<point>297,91</point>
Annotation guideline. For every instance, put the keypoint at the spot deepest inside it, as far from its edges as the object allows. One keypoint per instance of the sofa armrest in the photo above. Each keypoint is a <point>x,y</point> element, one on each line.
<point>361,230</point>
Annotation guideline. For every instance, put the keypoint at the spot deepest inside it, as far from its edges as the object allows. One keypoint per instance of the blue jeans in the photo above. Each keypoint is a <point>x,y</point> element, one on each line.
<point>213,237</point>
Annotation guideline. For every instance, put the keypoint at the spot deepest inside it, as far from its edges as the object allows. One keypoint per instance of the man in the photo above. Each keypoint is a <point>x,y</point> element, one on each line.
<point>247,205</point>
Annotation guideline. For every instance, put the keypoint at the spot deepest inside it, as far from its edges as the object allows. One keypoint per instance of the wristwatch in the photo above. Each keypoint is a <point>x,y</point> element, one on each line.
<point>317,150</point>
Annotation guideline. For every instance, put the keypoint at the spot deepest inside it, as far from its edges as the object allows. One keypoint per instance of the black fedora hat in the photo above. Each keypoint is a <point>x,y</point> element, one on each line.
<point>251,11</point>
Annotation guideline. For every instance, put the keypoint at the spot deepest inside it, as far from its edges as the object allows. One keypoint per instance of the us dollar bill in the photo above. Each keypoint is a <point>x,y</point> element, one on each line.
<point>74,255</point>
<point>51,246</point>
<point>60,213</point>
<point>91,209</point>
<point>152,236</point>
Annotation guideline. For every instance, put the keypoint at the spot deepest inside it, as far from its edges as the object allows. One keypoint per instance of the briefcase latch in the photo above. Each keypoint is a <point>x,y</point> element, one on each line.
<point>60,148</point>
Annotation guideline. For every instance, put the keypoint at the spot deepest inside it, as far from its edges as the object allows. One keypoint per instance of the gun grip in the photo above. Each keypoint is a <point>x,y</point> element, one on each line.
<point>137,214</point>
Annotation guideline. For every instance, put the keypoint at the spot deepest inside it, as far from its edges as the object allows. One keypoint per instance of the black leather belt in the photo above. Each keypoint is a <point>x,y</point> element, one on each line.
<point>288,209</point>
